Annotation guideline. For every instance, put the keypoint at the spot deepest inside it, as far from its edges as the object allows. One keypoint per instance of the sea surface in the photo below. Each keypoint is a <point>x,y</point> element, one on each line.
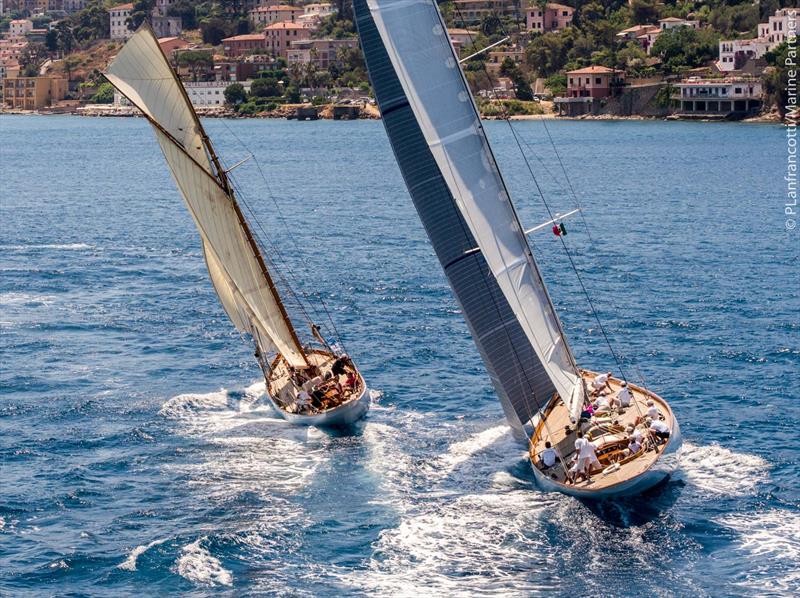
<point>138,455</point>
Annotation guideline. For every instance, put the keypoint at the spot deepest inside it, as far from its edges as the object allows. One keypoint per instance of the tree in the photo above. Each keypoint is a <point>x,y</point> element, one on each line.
<point>141,11</point>
<point>235,94</point>
<point>64,37</point>
<point>644,12</point>
<point>683,48</point>
<point>547,54</point>
<point>51,40</point>
<point>776,77</point>
<point>103,95</point>
<point>31,59</point>
<point>91,23</point>
<point>196,61</point>
<point>265,88</point>
<point>214,30</point>
<point>186,10</point>
<point>70,62</point>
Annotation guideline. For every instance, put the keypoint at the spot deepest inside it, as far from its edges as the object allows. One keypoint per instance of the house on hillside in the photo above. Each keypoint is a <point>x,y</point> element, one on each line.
<point>594,82</point>
<point>554,17</point>
<point>279,36</point>
<point>242,44</point>
<point>721,98</point>
<point>275,13</point>
<point>675,22</point>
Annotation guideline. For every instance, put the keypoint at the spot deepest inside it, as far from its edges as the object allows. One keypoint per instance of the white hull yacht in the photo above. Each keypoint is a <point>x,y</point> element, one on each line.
<point>306,385</point>
<point>454,180</point>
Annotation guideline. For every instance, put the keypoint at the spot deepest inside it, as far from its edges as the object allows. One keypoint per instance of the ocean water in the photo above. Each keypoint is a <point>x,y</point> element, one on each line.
<point>137,452</point>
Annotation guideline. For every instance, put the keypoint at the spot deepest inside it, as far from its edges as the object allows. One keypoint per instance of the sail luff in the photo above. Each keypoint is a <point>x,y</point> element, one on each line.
<point>206,192</point>
<point>414,41</point>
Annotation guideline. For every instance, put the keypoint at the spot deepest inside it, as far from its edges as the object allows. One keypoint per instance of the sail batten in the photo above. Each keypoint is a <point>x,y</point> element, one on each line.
<point>411,60</point>
<point>234,263</point>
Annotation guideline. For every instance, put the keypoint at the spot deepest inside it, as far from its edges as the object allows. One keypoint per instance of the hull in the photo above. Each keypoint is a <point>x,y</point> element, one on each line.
<point>666,463</point>
<point>338,417</point>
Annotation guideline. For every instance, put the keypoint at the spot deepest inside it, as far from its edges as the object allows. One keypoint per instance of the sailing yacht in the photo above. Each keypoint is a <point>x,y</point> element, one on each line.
<point>306,385</point>
<point>455,183</point>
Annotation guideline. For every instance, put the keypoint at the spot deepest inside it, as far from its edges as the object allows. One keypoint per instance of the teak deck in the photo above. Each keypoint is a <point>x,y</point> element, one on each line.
<point>552,427</point>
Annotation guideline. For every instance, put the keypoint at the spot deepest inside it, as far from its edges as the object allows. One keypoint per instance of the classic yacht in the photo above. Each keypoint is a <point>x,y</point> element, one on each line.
<point>451,173</point>
<point>307,385</point>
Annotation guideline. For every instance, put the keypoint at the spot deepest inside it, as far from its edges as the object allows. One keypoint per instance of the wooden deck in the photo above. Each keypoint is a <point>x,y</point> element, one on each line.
<point>281,388</point>
<point>608,434</point>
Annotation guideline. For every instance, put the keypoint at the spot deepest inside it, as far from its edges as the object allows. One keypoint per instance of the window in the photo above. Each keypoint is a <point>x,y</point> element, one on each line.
<point>597,80</point>
<point>565,14</point>
<point>737,90</point>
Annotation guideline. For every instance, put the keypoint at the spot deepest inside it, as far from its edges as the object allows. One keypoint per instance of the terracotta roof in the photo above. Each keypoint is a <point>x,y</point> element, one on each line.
<point>249,37</point>
<point>283,25</point>
<point>559,6</point>
<point>671,20</point>
<point>591,70</point>
<point>128,6</point>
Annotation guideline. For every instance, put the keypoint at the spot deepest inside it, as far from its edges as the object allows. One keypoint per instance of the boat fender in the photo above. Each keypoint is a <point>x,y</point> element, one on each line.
<point>611,468</point>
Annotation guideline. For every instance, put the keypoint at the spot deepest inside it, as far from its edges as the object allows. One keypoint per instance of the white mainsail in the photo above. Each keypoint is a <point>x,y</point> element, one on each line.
<point>422,55</point>
<point>141,72</point>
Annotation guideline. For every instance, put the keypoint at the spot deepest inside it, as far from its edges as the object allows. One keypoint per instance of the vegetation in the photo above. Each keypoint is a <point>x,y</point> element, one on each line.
<point>235,94</point>
<point>776,80</point>
<point>104,94</point>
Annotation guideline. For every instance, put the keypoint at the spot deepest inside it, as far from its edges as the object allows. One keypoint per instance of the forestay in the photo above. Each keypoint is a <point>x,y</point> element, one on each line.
<point>421,54</point>
<point>141,72</point>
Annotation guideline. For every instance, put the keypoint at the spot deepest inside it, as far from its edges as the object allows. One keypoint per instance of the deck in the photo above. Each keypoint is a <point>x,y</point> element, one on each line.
<point>608,434</point>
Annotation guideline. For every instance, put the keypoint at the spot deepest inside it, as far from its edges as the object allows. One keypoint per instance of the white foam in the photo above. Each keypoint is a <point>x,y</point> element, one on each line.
<point>716,470</point>
<point>772,538</point>
<point>14,298</point>
<point>129,564</point>
<point>56,246</point>
<point>197,565</point>
<point>2,524</point>
<point>460,452</point>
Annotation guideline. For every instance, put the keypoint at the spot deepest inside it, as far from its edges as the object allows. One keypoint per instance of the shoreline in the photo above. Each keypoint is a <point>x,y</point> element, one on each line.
<point>325,112</point>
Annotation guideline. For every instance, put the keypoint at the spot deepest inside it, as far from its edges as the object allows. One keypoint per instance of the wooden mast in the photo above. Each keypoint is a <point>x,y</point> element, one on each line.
<point>223,179</point>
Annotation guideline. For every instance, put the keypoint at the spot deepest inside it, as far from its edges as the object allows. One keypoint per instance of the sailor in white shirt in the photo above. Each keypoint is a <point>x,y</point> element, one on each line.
<point>652,410</point>
<point>302,401</point>
<point>624,395</point>
<point>660,430</point>
<point>548,456</point>
<point>600,382</point>
<point>586,454</point>
<point>634,446</point>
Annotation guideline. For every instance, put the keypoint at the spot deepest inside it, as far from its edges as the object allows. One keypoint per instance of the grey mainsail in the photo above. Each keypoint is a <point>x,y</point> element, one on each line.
<point>455,184</point>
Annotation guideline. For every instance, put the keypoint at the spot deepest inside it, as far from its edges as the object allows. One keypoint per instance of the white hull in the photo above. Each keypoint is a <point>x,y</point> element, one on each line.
<point>666,463</point>
<point>338,417</point>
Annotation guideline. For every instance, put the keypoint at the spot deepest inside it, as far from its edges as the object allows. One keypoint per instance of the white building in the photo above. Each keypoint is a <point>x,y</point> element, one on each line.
<point>734,53</point>
<point>275,13</point>
<point>776,31</point>
<point>674,22</point>
<point>207,94</point>
<point>314,13</point>
<point>119,21</point>
<point>718,97</point>
<point>166,26</point>
<point>19,27</point>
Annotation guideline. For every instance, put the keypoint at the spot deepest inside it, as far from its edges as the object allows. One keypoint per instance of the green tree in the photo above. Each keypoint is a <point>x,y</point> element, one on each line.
<point>31,59</point>
<point>186,10</point>
<point>214,30</point>
<point>91,23</point>
<point>547,54</point>
<point>683,48</point>
<point>196,61</point>
<point>265,88</point>
<point>235,94</point>
<point>644,12</point>
<point>776,77</point>
<point>64,36</point>
<point>103,95</point>
<point>141,11</point>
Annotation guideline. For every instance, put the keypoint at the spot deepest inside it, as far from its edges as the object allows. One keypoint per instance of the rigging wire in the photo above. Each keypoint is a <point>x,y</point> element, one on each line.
<point>298,252</point>
<point>507,119</point>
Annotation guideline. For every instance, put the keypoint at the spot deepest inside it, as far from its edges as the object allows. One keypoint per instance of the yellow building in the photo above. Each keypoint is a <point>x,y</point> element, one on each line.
<point>32,93</point>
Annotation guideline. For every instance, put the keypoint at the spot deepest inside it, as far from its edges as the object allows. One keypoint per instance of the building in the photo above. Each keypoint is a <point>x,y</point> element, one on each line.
<point>463,37</point>
<point>495,59</point>
<point>73,6</point>
<point>594,82</point>
<point>276,13</point>
<point>161,7</point>
<point>19,27</point>
<point>280,36</point>
<point>733,54</point>
<point>314,13</point>
<point>718,97</point>
<point>234,70</point>
<point>11,49</point>
<point>470,12</point>
<point>119,21</point>
<point>209,94</point>
<point>32,93</point>
<point>777,29</point>
<point>632,33</point>
<point>674,22</point>
<point>166,26</point>
<point>171,44</point>
<point>647,38</point>
<point>244,44</point>
<point>554,17</point>
<point>322,53</point>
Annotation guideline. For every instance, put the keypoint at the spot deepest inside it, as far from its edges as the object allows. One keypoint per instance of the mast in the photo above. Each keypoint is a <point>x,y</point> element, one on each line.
<point>454,180</point>
<point>236,265</point>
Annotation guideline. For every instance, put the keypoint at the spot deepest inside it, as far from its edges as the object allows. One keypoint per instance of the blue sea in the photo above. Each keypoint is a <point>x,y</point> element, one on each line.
<point>138,455</point>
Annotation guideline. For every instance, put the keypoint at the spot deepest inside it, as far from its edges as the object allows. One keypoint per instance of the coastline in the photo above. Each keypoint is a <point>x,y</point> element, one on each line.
<point>368,112</point>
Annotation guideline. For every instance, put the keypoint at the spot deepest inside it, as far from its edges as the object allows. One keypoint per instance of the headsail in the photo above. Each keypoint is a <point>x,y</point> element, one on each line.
<point>244,286</point>
<point>422,92</point>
